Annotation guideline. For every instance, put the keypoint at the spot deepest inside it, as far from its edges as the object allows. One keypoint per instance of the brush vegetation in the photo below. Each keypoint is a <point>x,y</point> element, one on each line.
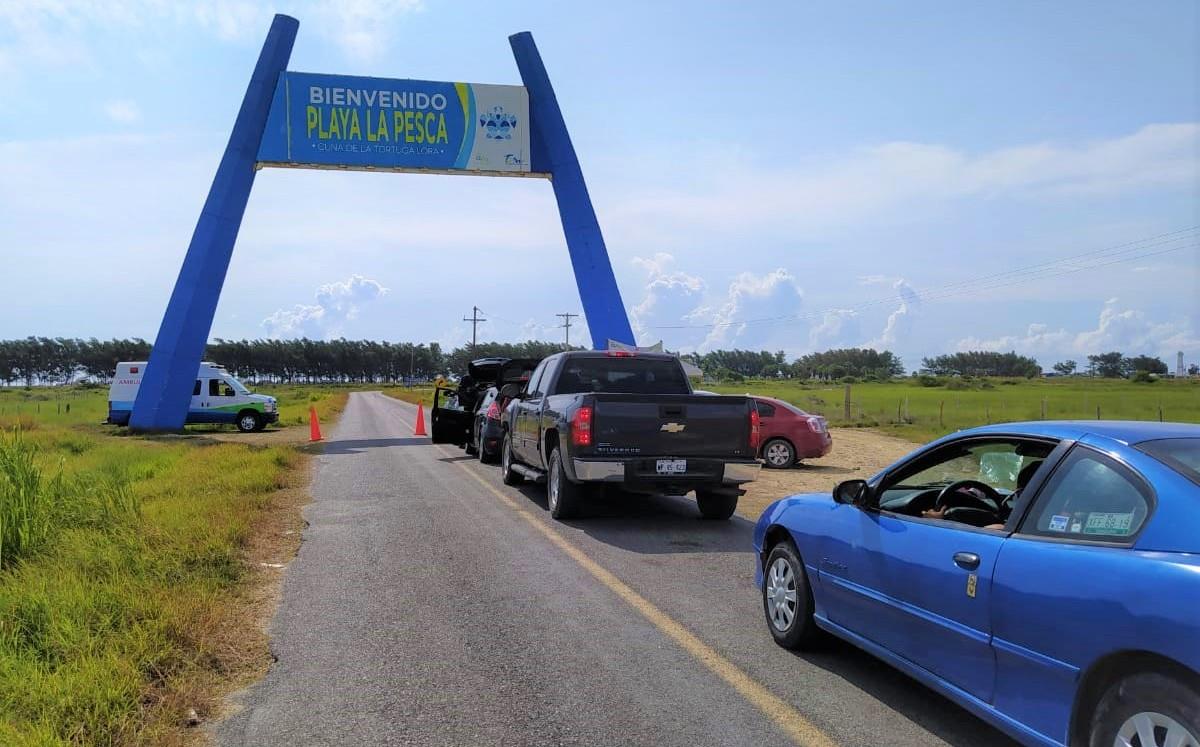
<point>122,568</point>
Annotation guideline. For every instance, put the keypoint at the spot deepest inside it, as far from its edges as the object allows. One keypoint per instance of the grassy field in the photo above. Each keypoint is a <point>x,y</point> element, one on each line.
<point>125,576</point>
<point>920,413</point>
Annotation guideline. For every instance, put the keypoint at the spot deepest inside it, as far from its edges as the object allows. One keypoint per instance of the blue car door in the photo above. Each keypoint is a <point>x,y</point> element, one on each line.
<point>923,592</point>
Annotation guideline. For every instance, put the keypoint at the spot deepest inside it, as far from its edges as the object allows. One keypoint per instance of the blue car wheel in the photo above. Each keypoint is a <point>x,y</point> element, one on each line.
<point>787,598</point>
<point>1147,710</point>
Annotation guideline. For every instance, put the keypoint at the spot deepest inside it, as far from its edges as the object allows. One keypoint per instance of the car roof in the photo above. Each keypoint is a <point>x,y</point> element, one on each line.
<point>1123,431</point>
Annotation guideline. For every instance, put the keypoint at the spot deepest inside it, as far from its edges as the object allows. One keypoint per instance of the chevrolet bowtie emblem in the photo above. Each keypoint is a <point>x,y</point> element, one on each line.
<point>672,427</point>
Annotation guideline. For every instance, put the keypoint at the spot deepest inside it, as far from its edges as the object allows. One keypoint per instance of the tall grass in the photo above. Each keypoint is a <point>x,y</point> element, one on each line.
<point>121,601</point>
<point>26,501</point>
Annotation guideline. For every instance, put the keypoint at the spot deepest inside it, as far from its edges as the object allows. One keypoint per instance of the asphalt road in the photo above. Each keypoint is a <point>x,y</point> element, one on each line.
<point>432,605</point>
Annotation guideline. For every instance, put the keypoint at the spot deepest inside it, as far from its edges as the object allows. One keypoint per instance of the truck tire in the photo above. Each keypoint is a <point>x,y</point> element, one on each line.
<point>716,506</point>
<point>248,421</point>
<point>506,461</point>
<point>1147,703</point>
<point>562,496</point>
<point>787,598</point>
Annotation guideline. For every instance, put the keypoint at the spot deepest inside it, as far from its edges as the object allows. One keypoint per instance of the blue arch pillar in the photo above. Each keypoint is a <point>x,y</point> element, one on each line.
<point>553,152</point>
<point>166,389</point>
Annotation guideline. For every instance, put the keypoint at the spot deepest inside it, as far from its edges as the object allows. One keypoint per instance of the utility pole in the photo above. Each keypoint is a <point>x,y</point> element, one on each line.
<point>566,325</point>
<point>474,319</point>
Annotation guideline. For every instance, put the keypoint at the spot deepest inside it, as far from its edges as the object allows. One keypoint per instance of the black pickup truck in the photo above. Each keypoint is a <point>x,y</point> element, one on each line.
<point>629,419</point>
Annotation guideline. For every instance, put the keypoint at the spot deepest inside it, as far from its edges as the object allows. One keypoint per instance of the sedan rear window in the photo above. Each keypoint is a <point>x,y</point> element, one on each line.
<point>1180,454</point>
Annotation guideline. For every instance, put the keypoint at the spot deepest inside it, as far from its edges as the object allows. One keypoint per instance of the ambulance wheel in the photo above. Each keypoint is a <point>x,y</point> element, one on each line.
<point>248,421</point>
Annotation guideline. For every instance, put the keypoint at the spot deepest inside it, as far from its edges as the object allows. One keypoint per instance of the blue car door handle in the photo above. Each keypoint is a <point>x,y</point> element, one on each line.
<point>968,561</point>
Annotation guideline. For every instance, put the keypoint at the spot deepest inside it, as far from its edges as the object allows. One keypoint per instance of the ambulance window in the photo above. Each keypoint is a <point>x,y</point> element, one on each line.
<point>196,389</point>
<point>216,390</point>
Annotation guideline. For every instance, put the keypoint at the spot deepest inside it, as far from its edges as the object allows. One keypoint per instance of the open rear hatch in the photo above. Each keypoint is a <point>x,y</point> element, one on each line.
<point>453,413</point>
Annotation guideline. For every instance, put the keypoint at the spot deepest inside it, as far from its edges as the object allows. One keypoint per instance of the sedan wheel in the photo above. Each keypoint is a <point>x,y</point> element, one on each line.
<point>787,599</point>
<point>779,454</point>
<point>1150,729</point>
<point>781,595</point>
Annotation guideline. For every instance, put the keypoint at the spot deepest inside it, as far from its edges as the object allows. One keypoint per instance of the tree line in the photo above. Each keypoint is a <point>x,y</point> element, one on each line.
<point>46,360</point>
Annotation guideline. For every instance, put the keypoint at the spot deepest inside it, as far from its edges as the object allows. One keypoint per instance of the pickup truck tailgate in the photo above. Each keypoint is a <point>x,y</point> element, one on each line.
<point>680,425</point>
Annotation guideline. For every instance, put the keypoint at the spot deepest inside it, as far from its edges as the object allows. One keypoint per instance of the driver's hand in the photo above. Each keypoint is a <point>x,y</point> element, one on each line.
<point>934,513</point>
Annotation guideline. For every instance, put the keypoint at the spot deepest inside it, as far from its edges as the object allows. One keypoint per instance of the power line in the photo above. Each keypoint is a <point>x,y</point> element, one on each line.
<point>1120,253</point>
<point>474,319</point>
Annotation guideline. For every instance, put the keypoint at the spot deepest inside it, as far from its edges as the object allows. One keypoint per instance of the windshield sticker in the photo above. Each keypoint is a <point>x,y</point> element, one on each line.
<point>1108,523</point>
<point>1076,527</point>
<point>1058,523</point>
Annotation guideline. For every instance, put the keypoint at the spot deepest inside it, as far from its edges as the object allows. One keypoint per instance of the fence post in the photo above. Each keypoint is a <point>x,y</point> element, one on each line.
<point>1097,412</point>
<point>846,404</point>
<point>1160,412</point>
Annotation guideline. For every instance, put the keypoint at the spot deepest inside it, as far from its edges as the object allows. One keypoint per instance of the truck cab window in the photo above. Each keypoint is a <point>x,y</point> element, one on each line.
<point>218,388</point>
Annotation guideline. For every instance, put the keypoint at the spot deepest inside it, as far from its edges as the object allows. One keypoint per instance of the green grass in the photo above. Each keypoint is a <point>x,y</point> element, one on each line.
<point>422,395</point>
<point>921,413</point>
<point>121,567</point>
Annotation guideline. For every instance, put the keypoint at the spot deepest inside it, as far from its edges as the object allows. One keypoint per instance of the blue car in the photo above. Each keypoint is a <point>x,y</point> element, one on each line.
<point>1045,576</point>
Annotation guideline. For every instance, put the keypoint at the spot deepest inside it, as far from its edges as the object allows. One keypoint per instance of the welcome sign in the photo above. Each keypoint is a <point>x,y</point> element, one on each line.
<point>340,121</point>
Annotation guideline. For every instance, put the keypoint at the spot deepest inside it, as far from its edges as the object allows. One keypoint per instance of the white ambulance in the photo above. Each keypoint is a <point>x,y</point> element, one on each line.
<point>216,398</point>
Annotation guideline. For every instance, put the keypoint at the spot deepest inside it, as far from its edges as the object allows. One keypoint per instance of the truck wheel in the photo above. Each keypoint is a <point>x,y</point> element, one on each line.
<point>1149,709</point>
<point>506,461</point>
<point>778,454</point>
<point>248,421</point>
<point>787,598</point>
<point>562,496</point>
<point>716,506</point>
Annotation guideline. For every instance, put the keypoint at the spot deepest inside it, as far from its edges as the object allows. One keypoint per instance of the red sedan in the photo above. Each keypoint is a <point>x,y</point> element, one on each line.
<point>790,434</point>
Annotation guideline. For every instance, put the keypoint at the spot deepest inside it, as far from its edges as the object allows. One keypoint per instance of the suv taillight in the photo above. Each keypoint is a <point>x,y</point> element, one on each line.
<point>581,426</point>
<point>755,428</point>
<point>493,411</point>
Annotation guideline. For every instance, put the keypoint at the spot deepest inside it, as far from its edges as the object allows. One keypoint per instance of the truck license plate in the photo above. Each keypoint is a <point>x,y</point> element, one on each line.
<point>671,466</point>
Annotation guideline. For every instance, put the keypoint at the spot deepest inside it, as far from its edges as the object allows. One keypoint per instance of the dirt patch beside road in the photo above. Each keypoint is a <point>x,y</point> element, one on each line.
<point>857,452</point>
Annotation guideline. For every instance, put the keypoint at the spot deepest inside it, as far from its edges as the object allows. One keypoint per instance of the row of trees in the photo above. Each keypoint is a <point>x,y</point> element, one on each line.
<point>1115,364</point>
<point>58,360</point>
<point>46,360</point>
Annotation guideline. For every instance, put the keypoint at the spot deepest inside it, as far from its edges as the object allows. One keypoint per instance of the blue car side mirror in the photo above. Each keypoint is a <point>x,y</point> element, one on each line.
<point>851,492</point>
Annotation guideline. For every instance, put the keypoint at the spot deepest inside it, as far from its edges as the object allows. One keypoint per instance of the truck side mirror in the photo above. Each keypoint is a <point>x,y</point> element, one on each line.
<point>852,492</point>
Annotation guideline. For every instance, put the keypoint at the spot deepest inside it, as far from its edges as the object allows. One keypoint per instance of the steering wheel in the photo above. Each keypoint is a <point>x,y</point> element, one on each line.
<point>969,500</point>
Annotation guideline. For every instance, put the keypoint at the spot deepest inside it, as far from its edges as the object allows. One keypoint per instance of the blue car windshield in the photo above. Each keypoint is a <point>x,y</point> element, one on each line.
<point>1180,454</point>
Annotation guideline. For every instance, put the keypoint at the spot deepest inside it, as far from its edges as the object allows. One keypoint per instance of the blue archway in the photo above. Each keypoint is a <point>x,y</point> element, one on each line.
<point>267,132</point>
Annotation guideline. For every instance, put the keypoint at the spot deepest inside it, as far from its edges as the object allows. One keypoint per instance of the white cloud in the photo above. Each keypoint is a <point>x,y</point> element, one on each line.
<point>750,301</point>
<point>123,111</point>
<point>337,304</point>
<point>669,297</point>
<point>897,333</point>
<point>1127,330</point>
<point>897,180</point>
<point>838,328</point>
<point>45,33</point>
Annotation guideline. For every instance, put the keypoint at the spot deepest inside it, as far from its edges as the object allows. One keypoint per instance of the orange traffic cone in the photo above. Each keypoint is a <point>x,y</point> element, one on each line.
<point>314,427</point>
<point>420,429</point>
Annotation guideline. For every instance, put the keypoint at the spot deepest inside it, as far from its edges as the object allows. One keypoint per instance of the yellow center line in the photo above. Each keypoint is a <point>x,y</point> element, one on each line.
<point>788,719</point>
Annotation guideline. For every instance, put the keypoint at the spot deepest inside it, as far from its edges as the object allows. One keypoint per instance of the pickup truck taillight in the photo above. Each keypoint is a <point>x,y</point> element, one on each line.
<point>581,426</point>
<point>755,428</point>
<point>493,411</point>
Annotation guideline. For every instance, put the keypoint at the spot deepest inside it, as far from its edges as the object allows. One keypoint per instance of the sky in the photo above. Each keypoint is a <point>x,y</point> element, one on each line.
<point>923,177</point>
